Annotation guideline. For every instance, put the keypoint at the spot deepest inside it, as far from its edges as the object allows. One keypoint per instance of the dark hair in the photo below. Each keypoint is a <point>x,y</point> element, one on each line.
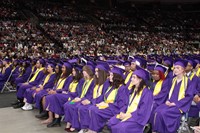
<point>78,75</point>
<point>141,85</point>
<point>88,70</point>
<point>58,74</point>
<point>67,72</point>
<point>117,80</point>
<point>102,77</point>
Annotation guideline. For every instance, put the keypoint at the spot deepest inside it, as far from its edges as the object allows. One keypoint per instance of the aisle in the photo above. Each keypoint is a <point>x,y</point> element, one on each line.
<point>18,121</point>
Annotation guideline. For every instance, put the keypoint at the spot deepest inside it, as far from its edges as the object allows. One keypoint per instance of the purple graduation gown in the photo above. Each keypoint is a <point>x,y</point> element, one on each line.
<point>71,110</point>
<point>139,117</point>
<point>51,99</point>
<point>22,88</point>
<point>4,77</point>
<point>24,77</point>
<point>29,93</point>
<point>59,99</point>
<point>194,109</point>
<point>44,92</point>
<point>167,119</point>
<point>83,111</point>
<point>160,98</point>
<point>15,74</point>
<point>99,117</point>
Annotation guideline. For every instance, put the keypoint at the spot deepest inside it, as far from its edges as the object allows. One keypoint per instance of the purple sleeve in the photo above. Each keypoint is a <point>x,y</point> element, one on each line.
<point>38,79</point>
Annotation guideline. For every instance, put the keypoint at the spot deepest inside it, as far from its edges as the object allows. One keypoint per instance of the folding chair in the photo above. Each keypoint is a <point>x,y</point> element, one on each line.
<point>7,86</point>
<point>184,126</point>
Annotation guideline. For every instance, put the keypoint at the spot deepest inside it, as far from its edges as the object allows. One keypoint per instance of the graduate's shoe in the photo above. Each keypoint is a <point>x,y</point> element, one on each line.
<point>27,107</point>
<point>55,122</point>
<point>15,102</point>
<point>19,105</point>
<point>42,115</point>
<point>71,131</point>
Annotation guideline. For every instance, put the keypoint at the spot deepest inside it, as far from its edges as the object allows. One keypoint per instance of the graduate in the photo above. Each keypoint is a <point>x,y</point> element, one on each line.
<point>134,115</point>
<point>15,70</point>
<point>40,101</point>
<point>101,86</point>
<point>115,98</point>
<point>25,72</point>
<point>128,72</point>
<point>190,73</point>
<point>6,71</point>
<point>47,82</point>
<point>34,81</point>
<point>86,94</point>
<point>167,116</point>
<point>160,88</point>
<point>58,100</point>
<point>167,61</point>
<point>61,87</point>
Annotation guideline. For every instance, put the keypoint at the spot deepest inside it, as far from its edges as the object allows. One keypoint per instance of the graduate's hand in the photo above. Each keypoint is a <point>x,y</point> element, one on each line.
<point>196,99</point>
<point>25,83</point>
<point>172,104</point>
<point>33,88</point>
<point>77,99</point>
<point>124,115</point>
<point>64,92</point>
<point>167,103</point>
<point>101,103</point>
<point>85,102</point>
<point>38,89</point>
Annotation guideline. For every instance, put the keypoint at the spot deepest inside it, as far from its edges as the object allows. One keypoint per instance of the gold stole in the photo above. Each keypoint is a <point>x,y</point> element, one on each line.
<point>36,74</point>
<point>158,87</point>
<point>166,73</point>
<point>21,70</point>
<point>183,86</point>
<point>130,86</point>
<point>133,103</point>
<point>198,72</point>
<point>128,77</point>
<point>86,86</point>
<point>13,69</point>
<point>60,83</point>
<point>97,91</point>
<point>192,75</point>
<point>72,86</point>
<point>112,96</point>
<point>47,79</point>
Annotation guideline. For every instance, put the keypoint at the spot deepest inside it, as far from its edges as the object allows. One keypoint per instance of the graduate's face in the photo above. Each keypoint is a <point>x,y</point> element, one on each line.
<point>85,75</point>
<point>57,69</point>
<point>38,64</point>
<point>111,77</point>
<point>127,68</point>
<point>64,69</point>
<point>73,72</point>
<point>133,66</point>
<point>178,70</point>
<point>155,75</point>
<point>97,72</point>
<point>189,67</point>
<point>135,80</point>
<point>49,69</point>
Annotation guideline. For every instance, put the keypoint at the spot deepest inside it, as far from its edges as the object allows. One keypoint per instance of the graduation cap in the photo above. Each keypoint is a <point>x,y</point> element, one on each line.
<point>192,62</point>
<point>127,63</point>
<point>77,67</point>
<point>118,70</point>
<point>168,61</point>
<point>67,64</point>
<point>7,60</point>
<point>142,73</point>
<point>151,66</point>
<point>103,66</point>
<point>161,68</point>
<point>181,62</point>
<point>42,61</point>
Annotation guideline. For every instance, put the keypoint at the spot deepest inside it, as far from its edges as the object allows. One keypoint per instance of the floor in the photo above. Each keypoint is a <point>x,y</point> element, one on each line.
<point>18,121</point>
